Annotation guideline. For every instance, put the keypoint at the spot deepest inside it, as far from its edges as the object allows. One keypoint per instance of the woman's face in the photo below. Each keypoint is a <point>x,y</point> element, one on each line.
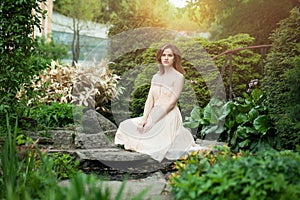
<point>167,58</point>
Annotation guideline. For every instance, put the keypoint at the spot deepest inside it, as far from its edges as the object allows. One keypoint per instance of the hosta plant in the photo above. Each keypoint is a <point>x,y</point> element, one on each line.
<point>243,123</point>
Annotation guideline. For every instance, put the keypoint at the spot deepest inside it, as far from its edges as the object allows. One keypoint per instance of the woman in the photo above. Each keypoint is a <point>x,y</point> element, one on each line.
<point>159,132</point>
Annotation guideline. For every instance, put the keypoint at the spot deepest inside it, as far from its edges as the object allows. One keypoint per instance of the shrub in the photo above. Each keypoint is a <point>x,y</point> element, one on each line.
<point>19,59</point>
<point>92,87</point>
<point>218,176</point>
<point>281,83</point>
<point>65,165</point>
<point>48,50</point>
<point>243,123</point>
<point>139,98</point>
<point>54,115</point>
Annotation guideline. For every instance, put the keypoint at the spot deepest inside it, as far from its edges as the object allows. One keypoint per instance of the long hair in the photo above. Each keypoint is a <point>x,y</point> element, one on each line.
<point>177,58</point>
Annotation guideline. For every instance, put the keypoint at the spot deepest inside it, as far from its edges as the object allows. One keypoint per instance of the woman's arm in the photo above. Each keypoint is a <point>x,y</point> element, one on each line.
<point>148,105</point>
<point>147,109</point>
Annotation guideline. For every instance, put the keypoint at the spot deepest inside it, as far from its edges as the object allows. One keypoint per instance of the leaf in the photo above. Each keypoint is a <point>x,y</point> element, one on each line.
<point>257,95</point>
<point>242,132</point>
<point>244,143</point>
<point>195,113</point>
<point>191,124</point>
<point>241,118</point>
<point>262,124</point>
<point>209,129</point>
<point>253,114</point>
<point>207,113</point>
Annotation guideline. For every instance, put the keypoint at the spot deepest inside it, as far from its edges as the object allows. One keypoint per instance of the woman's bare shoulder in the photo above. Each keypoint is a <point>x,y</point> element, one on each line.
<point>178,75</point>
<point>155,76</point>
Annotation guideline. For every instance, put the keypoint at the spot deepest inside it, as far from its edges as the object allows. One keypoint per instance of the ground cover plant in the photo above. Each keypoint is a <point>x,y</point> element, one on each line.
<point>220,174</point>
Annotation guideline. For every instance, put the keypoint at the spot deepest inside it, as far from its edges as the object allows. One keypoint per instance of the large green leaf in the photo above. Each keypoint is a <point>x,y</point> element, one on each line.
<point>191,124</point>
<point>242,132</point>
<point>253,114</point>
<point>209,129</point>
<point>262,124</point>
<point>196,113</point>
<point>207,112</point>
<point>257,95</point>
<point>241,118</point>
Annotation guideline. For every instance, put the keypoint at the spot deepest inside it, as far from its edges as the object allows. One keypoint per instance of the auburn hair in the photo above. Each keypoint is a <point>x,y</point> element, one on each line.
<point>177,58</point>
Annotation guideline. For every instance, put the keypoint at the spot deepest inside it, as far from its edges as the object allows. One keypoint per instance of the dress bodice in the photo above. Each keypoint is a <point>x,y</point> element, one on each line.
<point>161,94</point>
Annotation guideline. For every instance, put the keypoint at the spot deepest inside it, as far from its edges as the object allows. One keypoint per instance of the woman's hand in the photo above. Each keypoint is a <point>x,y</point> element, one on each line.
<point>144,126</point>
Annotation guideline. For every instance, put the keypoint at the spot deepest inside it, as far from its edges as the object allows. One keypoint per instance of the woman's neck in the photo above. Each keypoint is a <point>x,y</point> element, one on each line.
<point>168,69</point>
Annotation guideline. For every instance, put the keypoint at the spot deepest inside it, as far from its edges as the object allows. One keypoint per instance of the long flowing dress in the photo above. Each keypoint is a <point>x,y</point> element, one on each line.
<point>167,138</point>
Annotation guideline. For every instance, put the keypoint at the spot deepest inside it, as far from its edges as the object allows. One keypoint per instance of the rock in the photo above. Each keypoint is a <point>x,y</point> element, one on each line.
<point>119,159</point>
<point>60,138</point>
<point>209,143</point>
<point>93,141</point>
<point>93,122</point>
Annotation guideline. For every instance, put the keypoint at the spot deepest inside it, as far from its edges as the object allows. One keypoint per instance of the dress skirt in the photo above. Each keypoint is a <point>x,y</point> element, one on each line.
<point>166,139</point>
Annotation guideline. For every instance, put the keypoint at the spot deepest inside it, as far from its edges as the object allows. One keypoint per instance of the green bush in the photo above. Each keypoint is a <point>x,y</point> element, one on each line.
<point>48,50</point>
<point>54,115</point>
<point>281,83</point>
<point>19,59</point>
<point>217,176</point>
<point>65,165</point>
<point>243,123</point>
<point>139,97</point>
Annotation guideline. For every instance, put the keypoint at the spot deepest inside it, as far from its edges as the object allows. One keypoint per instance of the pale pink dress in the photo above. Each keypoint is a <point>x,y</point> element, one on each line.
<point>167,138</point>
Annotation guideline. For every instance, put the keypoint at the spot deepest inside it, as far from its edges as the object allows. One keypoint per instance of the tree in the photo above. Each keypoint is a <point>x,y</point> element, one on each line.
<point>255,17</point>
<point>127,15</point>
<point>281,83</point>
<point>18,58</point>
<point>80,11</point>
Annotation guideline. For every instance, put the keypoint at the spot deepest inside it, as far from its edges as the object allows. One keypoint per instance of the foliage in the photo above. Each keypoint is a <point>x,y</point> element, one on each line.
<point>65,165</point>
<point>281,83</point>
<point>225,18</point>
<point>28,173</point>
<point>54,115</point>
<point>248,124</point>
<point>48,50</point>
<point>29,177</point>
<point>243,123</point>
<point>129,15</point>
<point>139,97</point>
<point>222,175</point>
<point>210,119</point>
<point>19,59</point>
<point>86,86</point>
<point>54,84</point>
<point>94,87</point>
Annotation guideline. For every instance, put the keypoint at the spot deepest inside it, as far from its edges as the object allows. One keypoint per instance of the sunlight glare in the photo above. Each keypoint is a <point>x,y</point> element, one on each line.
<point>178,3</point>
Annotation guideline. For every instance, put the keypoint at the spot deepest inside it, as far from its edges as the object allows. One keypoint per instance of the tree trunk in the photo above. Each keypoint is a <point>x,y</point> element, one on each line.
<point>75,42</point>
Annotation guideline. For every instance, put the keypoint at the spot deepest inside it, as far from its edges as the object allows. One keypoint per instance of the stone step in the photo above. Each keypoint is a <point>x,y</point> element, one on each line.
<point>116,158</point>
